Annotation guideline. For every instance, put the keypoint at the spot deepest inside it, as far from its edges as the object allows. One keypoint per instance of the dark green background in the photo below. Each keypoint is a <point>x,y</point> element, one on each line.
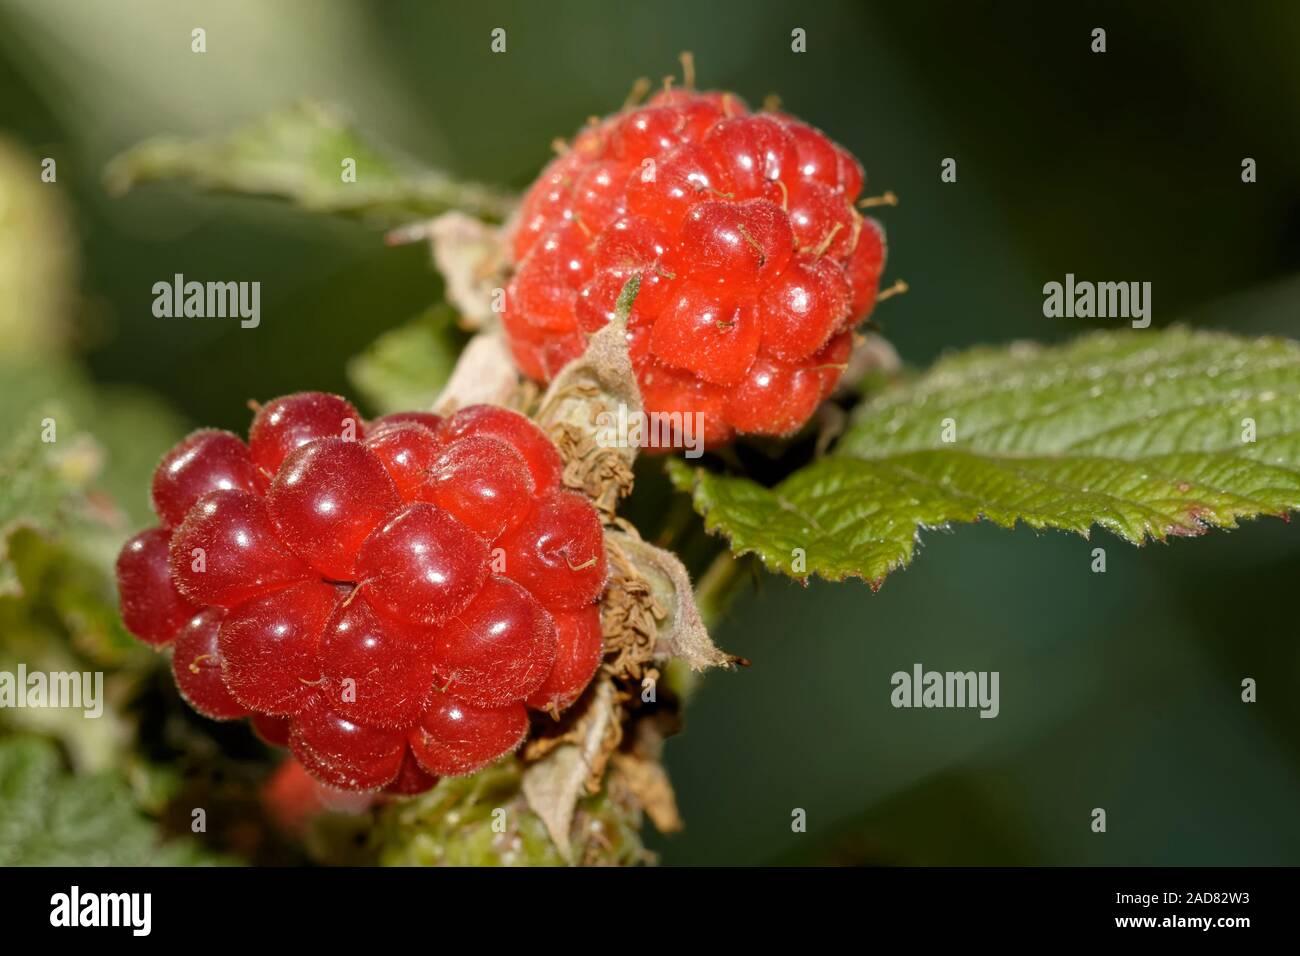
<point>1118,690</point>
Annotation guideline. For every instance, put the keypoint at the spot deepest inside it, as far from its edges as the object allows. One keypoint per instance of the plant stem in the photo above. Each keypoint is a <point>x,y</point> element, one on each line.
<point>718,586</point>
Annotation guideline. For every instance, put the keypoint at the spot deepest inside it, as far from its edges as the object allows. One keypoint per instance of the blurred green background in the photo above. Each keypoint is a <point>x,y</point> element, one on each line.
<point>1118,690</point>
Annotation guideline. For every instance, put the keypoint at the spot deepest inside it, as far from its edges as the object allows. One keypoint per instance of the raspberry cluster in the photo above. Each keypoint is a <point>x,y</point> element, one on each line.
<point>386,599</point>
<point>754,262</point>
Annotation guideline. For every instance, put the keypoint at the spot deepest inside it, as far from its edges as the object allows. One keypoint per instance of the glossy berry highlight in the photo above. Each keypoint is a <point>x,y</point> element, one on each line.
<point>152,607</point>
<point>197,667</point>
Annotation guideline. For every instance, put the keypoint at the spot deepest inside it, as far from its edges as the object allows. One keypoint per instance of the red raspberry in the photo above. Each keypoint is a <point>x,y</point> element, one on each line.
<point>558,552</point>
<point>407,451</point>
<point>152,608</point>
<point>344,754</point>
<point>385,600</point>
<point>579,646</point>
<point>499,649</point>
<point>489,421</point>
<point>196,665</point>
<point>428,419</point>
<point>208,460</point>
<point>327,498</point>
<point>422,566</point>
<point>284,424</point>
<point>753,259</point>
<point>273,730</point>
<point>227,551</point>
<point>454,738</point>
<point>390,662</point>
<point>411,779</point>
<point>270,647</point>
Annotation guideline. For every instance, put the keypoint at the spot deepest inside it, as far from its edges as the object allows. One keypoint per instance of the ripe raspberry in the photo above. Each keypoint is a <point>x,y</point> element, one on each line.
<point>327,498</point>
<point>343,754</point>
<point>152,608</point>
<point>499,649</point>
<point>454,738</point>
<point>390,662</point>
<point>286,423</point>
<point>579,646</point>
<point>270,646</point>
<point>385,600</point>
<point>196,665</point>
<point>411,779</point>
<point>208,460</point>
<point>489,421</point>
<point>407,451</point>
<point>273,730</point>
<point>754,262</point>
<point>422,565</point>
<point>486,482</point>
<point>227,551</point>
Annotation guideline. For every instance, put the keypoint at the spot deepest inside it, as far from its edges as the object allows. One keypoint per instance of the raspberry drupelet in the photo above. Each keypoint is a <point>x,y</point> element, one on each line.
<point>754,262</point>
<point>387,600</point>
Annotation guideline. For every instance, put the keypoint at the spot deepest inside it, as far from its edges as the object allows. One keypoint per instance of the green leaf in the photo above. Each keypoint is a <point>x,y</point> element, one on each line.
<point>42,486</point>
<point>406,368</point>
<point>51,818</point>
<point>61,524</point>
<point>297,155</point>
<point>73,486</point>
<point>1142,434</point>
